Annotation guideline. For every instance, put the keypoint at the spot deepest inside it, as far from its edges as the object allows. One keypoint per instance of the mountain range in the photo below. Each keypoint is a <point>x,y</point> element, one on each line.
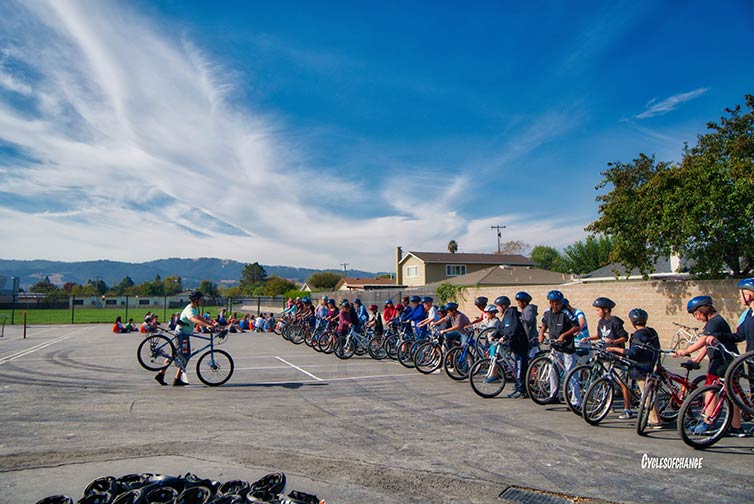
<point>191,271</point>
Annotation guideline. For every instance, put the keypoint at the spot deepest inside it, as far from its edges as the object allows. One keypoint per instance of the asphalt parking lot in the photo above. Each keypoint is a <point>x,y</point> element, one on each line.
<point>76,405</point>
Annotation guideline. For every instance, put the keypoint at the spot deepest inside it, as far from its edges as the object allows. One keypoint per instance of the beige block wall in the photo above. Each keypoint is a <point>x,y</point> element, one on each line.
<point>665,301</point>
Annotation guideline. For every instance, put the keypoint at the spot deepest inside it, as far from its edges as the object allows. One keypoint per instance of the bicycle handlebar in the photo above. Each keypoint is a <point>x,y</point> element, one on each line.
<point>685,327</point>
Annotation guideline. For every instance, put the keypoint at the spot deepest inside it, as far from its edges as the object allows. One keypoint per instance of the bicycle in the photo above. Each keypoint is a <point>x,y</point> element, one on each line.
<point>598,399</point>
<point>739,382</point>
<point>583,375</point>
<point>353,342</point>
<point>488,376</point>
<point>459,358</point>
<point>667,391</point>
<point>428,356</point>
<point>685,335</point>
<point>214,367</point>
<point>543,383</point>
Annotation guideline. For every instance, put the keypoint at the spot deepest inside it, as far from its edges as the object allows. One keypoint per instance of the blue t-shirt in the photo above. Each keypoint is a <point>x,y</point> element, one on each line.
<point>745,329</point>
<point>186,314</point>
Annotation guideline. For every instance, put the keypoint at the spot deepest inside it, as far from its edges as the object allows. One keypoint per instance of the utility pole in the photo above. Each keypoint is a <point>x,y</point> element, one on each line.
<point>499,238</point>
<point>345,269</point>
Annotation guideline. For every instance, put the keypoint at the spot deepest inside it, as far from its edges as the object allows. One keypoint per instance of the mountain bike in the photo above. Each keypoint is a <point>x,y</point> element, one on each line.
<point>684,336</point>
<point>581,376</point>
<point>545,375</point>
<point>598,399</point>
<point>666,391</point>
<point>428,356</point>
<point>488,376</point>
<point>739,382</point>
<point>705,416</point>
<point>458,359</point>
<point>353,342</point>
<point>214,367</point>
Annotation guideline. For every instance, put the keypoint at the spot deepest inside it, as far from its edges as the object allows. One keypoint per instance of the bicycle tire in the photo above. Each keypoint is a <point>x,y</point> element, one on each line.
<point>326,341</point>
<point>155,352</point>
<point>739,382</point>
<point>404,353</point>
<point>645,405</point>
<point>457,363</point>
<point>428,358</point>
<point>482,341</point>
<point>297,335</point>
<point>584,374</point>
<point>376,347</point>
<point>344,347</point>
<point>538,384</point>
<point>480,372</point>
<point>391,346</point>
<point>215,367</point>
<point>598,401</point>
<point>692,413</point>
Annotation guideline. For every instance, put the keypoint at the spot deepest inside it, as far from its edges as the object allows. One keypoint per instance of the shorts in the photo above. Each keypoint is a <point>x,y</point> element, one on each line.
<point>711,379</point>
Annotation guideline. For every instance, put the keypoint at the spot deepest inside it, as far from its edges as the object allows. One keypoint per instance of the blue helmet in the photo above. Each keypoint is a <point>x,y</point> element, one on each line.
<point>442,309</point>
<point>565,302</point>
<point>451,306</point>
<point>638,316</point>
<point>388,301</point>
<point>503,301</point>
<point>696,302</point>
<point>357,301</point>
<point>306,300</point>
<point>415,299</point>
<point>746,284</point>
<point>555,295</point>
<point>427,299</point>
<point>523,296</point>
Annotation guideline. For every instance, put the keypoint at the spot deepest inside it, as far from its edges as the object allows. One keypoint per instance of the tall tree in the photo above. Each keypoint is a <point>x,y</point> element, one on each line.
<point>209,289</point>
<point>452,246</point>
<point>587,255</point>
<point>514,247</point>
<point>172,285</point>
<point>43,286</point>
<point>702,209</point>
<point>546,257</point>
<point>276,286</point>
<point>252,275</point>
<point>323,280</point>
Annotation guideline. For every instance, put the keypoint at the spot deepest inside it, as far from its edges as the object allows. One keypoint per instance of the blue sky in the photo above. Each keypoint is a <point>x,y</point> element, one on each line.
<point>311,134</point>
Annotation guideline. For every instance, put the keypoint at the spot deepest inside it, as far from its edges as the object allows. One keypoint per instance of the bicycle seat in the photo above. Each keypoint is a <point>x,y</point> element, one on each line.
<point>690,365</point>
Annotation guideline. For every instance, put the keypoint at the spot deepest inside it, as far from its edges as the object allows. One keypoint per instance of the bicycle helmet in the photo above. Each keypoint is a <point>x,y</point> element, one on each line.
<point>331,302</point>
<point>523,296</point>
<point>746,284</point>
<point>565,302</point>
<point>603,302</point>
<point>388,301</point>
<point>427,299</point>
<point>503,301</point>
<point>357,301</point>
<point>481,301</point>
<point>306,300</point>
<point>344,303</point>
<point>491,309</point>
<point>442,309</point>
<point>415,299</point>
<point>451,306</point>
<point>373,307</point>
<point>196,295</point>
<point>638,316</point>
<point>555,295</point>
<point>697,302</point>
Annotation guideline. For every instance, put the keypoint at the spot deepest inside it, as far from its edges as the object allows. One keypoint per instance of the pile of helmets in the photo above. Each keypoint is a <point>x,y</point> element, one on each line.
<point>188,489</point>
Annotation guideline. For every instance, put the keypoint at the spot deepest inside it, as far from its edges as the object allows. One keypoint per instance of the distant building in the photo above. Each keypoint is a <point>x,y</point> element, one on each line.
<point>348,284</point>
<point>664,269</point>
<point>500,276</point>
<point>422,268</point>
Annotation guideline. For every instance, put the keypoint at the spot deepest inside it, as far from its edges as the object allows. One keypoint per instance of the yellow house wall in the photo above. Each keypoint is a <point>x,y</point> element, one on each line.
<point>665,301</point>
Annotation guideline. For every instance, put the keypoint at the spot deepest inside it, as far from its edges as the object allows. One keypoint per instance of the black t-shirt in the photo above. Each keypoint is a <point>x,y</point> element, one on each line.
<point>557,324</point>
<point>638,351</point>
<point>612,329</point>
<point>718,359</point>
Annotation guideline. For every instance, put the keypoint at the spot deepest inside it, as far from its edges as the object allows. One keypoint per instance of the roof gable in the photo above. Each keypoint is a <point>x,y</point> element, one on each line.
<point>458,258</point>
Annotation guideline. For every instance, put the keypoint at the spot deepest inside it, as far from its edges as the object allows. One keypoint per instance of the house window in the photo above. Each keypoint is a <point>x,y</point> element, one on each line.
<point>412,271</point>
<point>455,269</point>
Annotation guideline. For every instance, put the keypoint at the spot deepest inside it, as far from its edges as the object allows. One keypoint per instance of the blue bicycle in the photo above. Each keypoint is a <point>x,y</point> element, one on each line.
<point>459,359</point>
<point>214,367</point>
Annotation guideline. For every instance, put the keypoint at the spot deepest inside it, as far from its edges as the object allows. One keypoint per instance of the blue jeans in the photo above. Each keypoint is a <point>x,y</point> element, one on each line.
<point>457,335</point>
<point>521,362</point>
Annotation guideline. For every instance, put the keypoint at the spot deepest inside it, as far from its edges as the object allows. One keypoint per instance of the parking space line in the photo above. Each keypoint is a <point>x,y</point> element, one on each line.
<point>307,373</point>
<point>33,349</point>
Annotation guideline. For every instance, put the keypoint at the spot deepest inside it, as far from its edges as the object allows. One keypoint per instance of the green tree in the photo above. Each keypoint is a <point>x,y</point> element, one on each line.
<point>587,255</point>
<point>702,209</point>
<point>514,247</point>
<point>232,292</point>
<point>99,286</point>
<point>209,289</point>
<point>452,246</point>
<point>43,286</point>
<point>121,287</point>
<point>172,285</point>
<point>323,280</point>
<point>252,276</point>
<point>446,292</point>
<point>547,257</point>
<point>276,286</point>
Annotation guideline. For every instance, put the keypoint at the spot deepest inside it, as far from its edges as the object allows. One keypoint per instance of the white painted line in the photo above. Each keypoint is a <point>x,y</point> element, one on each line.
<point>33,349</point>
<point>307,373</point>
<point>353,378</point>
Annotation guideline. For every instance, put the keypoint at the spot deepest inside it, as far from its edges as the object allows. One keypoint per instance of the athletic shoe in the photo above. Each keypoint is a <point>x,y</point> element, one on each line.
<point>160,377</point>
<point>655,426</point>
<point>701,428</point>
<point>627,414</point>
<point>492,379</point>
<point>178,383</point>
<point>739,432</point>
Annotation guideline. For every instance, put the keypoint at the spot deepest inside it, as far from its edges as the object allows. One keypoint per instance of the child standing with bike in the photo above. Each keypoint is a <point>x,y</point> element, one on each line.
<point>190,316</point>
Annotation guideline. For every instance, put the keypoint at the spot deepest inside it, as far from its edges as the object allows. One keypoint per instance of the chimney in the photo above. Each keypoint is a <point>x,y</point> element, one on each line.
<point>398,272</point>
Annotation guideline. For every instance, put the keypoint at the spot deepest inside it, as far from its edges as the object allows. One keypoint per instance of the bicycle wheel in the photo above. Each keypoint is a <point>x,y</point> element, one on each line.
<point>428,358</point>
<point>486,378</point>
<point>675,341</point>
<point>391,345</point>
<point>739,382</point>
<point>376,347</point>
<point>458,361</point>
<point>539,380</point>
<point>344,347</point>
<point>215,367</point>
<point>646,404</point>
<point>705,416</point>
<point>483,341</point>
<point>297,335</point>
<point>326,342</point>
<point>155,352</point>
<point>597,401</point>
<point>583,376</point>
<point>404,353</point>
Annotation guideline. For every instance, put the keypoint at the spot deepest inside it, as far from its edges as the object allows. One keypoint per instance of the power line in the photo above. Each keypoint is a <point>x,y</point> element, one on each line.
<point>499,238</point>
<point>345,269</point>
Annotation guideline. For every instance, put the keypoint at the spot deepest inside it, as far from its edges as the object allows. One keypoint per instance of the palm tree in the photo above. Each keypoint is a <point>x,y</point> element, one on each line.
<point>452,246</point>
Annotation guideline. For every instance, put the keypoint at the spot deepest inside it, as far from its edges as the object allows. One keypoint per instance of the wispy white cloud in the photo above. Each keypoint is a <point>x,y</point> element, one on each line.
<point>655,108</point>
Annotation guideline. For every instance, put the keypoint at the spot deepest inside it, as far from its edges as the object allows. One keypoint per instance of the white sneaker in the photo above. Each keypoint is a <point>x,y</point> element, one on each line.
<point>627,414</point>
<point>184,378</point>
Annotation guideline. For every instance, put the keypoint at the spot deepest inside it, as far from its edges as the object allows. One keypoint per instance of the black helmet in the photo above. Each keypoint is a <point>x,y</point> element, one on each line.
<point>357,301</point>
<point>415,299</point>
<point>503,301</point>
<point>345,303</point>
<point>451,306</point>
<point>697,302</point>
<point>638,316</point>
<point>427,299</point>
<point>481,301</point>
<point>523,296</point>
<point>196,295</point>
<point>603,302</point>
